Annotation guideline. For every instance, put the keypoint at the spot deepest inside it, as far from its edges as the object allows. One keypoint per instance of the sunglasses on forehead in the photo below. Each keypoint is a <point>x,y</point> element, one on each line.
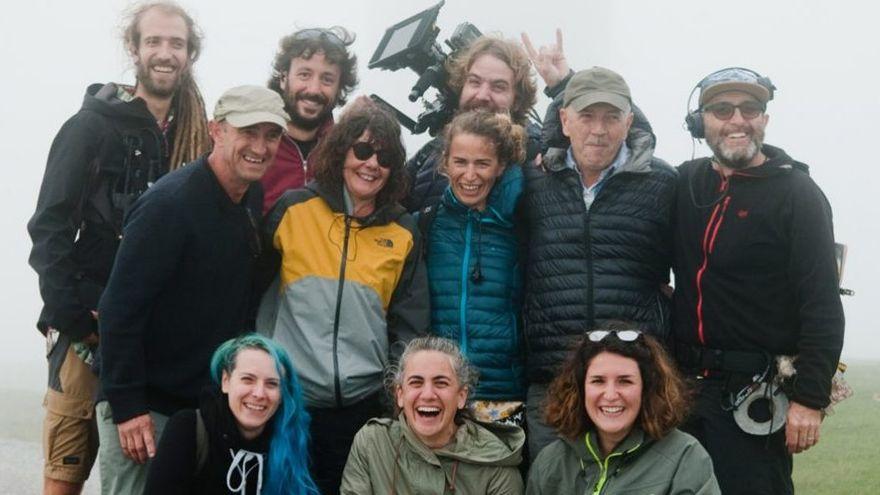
<point>335,36</point>
<point>363,151</point>
<point>724,110</point>
<point>622,335</point>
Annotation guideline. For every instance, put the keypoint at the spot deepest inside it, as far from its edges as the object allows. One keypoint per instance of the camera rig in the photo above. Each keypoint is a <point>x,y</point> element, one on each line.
<point>412,43</point>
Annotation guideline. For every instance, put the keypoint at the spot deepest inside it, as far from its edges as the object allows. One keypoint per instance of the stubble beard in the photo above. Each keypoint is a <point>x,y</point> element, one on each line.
<point>737,158</point>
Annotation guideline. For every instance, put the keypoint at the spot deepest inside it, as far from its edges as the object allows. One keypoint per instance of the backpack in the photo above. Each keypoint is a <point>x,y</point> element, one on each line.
<point>201,442</point>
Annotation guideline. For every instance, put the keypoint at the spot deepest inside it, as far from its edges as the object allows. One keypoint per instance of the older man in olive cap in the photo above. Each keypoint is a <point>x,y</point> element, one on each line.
<point>181,282</point>
<point>599,232</point>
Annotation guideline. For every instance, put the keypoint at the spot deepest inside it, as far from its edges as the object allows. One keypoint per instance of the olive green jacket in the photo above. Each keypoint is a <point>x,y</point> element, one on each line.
<point>674,465</point>
<point>388,458</point>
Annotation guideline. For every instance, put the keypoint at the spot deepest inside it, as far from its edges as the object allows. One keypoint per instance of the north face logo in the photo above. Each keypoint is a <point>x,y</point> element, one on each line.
<point>385,243</point>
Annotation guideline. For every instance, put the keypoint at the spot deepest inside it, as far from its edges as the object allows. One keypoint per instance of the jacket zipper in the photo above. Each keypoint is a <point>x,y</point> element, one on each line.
<point>590,292</point>
<point>336,382</point>
<point>710,234</point>
<point>603,465</point>
<point>462,303</point>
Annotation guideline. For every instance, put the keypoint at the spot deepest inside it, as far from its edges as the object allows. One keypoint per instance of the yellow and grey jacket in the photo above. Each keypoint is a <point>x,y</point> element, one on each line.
<point>349,290</point>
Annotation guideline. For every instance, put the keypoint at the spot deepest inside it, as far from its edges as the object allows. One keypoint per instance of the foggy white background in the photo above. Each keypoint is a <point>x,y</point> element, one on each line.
<point>822,56</point>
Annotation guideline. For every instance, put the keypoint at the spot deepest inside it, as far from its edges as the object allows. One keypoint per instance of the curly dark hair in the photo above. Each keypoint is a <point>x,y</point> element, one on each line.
<point>665,397</point>
<point>332,42</point>
<point>509,52</point>
<point>328,158</point>
<point>509,139</point>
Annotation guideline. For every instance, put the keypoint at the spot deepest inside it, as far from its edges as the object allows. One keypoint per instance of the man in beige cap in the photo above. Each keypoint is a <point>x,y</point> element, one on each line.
<point>181,283</point>
<point>598,219</point>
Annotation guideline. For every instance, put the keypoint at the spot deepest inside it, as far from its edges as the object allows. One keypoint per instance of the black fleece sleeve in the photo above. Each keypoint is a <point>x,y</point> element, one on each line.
<point>813,274</point>
<point>173,470</point>
<point>54,226</point>
<point>409,314</point>
<point>154,240</point>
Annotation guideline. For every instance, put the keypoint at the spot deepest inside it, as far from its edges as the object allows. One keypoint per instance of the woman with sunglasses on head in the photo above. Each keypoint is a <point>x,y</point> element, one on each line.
<point>474,257</point>
<point>616,404</point>
<point>351,285</point>
<point>433,447</point>
<point>249,435</point>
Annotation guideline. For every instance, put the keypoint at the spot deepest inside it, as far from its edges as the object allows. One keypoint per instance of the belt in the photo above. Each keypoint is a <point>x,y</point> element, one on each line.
<point>691,357</point>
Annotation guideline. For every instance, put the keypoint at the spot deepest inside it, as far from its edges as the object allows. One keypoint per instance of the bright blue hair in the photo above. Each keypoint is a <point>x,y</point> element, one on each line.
<point>288,467</point>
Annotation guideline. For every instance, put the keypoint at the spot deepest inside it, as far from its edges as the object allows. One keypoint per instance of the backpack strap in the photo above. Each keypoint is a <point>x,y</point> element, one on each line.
<point>201,442</point>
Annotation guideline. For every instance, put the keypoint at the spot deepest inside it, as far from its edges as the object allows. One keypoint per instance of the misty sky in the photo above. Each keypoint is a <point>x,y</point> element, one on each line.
<point>822,56</point>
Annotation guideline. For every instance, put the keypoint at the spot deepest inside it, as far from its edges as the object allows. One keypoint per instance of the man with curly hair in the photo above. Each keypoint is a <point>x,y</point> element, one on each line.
<point>495,74</point>
<point>314,72</point>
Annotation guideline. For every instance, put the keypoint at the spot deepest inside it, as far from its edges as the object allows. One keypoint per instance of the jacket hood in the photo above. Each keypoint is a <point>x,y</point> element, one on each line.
<point>778,162</point>
<point>485,444</point>
<point>641,146</point>
<point>103,99</point>
<point>337,202</point>
<point>502,200</point>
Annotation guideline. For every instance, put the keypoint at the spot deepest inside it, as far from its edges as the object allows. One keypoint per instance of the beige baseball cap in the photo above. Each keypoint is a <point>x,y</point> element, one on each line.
<point>244,106</point>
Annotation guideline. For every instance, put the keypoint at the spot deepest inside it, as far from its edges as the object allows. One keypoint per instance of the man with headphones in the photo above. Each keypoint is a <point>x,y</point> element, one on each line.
<point>756,278</point>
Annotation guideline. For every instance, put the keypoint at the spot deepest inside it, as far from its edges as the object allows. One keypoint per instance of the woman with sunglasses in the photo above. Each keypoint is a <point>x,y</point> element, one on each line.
<point>474,260</point>
<point>249,435</point>
<point>616,404</point>
<point>351,285</point>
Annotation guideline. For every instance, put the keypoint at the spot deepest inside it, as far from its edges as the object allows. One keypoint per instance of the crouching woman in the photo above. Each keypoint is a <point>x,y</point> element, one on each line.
<point>249,435</point>
<point>432,447</point>
<point>615,404</point>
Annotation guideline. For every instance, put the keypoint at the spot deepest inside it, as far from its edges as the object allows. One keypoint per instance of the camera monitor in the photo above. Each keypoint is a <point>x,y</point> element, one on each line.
<point>403,41</point>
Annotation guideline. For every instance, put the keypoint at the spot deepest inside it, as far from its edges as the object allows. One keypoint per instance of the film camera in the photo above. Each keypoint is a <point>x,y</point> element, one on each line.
<point>412,43</point>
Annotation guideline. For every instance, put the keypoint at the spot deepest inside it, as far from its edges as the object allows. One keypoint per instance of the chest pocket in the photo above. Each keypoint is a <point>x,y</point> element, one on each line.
<point>128,163</point>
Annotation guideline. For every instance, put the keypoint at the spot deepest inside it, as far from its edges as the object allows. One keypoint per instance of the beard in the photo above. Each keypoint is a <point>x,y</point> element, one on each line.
<point>474,104</point>
<point>300,120</point>
<point>159,89</point>
<point>736,157</point>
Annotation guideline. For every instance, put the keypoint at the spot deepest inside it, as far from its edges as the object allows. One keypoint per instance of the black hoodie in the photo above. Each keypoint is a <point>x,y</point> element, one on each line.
<point>232,462</point>
<point>102,159</point>
<point>755,268</point>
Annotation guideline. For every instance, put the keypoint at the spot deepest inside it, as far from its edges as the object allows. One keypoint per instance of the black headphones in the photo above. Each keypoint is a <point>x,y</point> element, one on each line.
<point>693,121</point>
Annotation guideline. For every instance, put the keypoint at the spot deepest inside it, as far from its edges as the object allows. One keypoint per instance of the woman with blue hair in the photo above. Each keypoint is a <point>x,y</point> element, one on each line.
<point>248,437</point>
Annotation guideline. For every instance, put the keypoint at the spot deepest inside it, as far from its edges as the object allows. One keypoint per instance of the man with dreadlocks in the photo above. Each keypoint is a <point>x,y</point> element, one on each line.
<point>121,141</point>
<point>314,72</point>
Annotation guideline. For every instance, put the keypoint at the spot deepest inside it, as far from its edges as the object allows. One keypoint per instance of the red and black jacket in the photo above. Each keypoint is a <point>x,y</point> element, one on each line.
<point>755,268</point>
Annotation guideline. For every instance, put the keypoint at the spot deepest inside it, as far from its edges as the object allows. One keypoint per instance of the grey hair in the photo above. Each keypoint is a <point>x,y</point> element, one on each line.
<point>465,373</point>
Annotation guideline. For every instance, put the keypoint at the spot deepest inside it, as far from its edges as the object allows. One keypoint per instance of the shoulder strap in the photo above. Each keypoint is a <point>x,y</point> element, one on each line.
<point>201,442</point>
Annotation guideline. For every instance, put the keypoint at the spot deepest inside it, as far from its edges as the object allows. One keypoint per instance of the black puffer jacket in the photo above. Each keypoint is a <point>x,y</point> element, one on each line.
<point>427,183</point>
<point>102,159</point>
<point>585,268</point>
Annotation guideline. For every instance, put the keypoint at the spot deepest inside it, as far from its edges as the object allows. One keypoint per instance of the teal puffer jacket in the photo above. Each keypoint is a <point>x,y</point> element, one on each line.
<point>475,273</point>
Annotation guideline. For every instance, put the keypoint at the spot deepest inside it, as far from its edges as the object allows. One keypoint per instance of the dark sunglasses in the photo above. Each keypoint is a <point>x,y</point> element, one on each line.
<point>622,335</point>
<point>724,110</point>
<point>363,151</point>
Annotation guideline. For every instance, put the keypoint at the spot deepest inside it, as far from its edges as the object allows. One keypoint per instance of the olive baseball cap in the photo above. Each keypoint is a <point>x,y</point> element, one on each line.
<point>243,106</point>
<point>597,85</point>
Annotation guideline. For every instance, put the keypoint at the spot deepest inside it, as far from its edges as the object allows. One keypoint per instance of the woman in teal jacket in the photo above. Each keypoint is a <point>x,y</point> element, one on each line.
<point>474,256</point>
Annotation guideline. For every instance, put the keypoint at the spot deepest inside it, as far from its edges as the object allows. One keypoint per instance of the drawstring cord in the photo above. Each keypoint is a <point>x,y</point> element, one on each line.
<point>239,464</point>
